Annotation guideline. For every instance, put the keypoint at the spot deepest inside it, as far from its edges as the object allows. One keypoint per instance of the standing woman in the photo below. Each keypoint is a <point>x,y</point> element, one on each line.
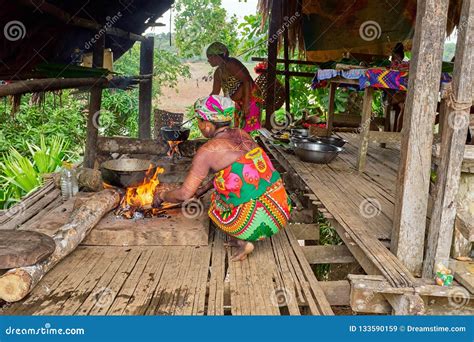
<point>235,81</point>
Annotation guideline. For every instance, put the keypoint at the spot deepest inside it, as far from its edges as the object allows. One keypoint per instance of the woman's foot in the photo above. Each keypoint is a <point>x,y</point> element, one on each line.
<point>244,248</point>
<point>232,242</point>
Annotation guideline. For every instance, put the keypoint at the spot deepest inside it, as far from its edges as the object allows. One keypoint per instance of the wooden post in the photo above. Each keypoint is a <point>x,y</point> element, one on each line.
<point>272,62</point>
<point>94,106</point>
<point>331,104</point>
<point>453,140</point>
<point>409,223</point>
<point>365,128</point>
<point>286,57</point>
<point>146,88</point>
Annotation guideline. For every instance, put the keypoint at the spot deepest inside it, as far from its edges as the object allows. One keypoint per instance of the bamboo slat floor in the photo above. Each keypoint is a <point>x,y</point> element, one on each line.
<point>361,202</point>
<point>179,280</point>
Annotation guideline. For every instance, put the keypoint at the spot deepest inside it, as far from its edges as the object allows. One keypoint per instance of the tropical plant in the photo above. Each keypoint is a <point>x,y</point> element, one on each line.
<point>199,23</point>
<point>22,174</point>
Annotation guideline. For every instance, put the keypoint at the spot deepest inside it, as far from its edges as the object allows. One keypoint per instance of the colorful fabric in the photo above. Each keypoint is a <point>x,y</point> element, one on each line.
<point>252,121</point>
<point>214,108</point>
<point>230,85</point>
<point>325,74</point>
<point>384,78</point>
<point>217,48</point>
<point>353,74</point>
<point>256,219</point>
<point>250,202</point>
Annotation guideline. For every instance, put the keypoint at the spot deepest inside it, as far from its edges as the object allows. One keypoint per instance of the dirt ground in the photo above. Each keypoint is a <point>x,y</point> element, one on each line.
<point>190,89</point>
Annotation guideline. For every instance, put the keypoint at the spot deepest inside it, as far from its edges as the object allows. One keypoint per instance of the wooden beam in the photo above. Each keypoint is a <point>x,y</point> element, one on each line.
<point>305,231</point>
<point>49,84</point>
<point>94,107</point>
<point>365,127</point>
<point>272,61</point>
<point>290,61</point>
<point>146,88</point>
<point>328,254</point>
<point>127,145</point>
<point>384,137</point>
<point>331,107</point>
<point>337,292</point>
<point>463,272</point>
<point>287,66</point>
<point>44,7</point>
<point>440,233</point>
<point>411,201</point>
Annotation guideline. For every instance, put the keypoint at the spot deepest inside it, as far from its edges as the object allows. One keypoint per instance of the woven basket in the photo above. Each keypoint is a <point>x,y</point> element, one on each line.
<point>262,82</point>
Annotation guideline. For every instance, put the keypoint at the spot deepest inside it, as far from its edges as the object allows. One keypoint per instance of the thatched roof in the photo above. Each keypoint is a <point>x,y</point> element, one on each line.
<point>33,35</point>
<point>323,29</point>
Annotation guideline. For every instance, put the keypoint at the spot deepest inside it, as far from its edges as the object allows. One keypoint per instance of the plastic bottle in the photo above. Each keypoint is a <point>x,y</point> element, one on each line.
<point>69,185</point>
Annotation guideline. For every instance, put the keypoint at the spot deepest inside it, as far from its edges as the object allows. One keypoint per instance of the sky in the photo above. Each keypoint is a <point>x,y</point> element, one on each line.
<point>239,8</point>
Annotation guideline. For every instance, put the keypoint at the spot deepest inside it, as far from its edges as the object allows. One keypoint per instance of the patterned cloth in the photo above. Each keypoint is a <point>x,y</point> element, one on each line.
<point>252,121</point>
<point>250,202</point>
<point>384,78</point>
<point>214,108</point>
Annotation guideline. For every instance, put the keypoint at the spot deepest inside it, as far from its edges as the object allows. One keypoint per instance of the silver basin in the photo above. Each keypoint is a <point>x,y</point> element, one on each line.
<point>332,141</point>
<point>299,132</point>
<point>319,153</point>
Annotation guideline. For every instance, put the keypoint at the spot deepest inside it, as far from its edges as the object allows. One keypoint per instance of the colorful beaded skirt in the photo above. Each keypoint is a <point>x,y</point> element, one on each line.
<point>256,219</point>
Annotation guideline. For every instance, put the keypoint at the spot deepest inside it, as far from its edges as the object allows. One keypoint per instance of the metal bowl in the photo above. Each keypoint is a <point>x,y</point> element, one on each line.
<point>319,153</point>
<point>124,173</point>
<point>296,140</point>
<point>299,132</point>
<point>332,141</point>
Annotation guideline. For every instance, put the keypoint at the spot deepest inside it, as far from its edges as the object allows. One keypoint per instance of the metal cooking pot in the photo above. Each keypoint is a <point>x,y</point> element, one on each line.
<point>175,133</point>
<point>332,141</point>
<point>318,153</point>
<point>300,132</point>
<point>124,173</point>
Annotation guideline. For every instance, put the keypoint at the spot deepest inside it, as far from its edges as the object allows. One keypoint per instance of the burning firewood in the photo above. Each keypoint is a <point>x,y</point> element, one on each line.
<point>18,282</point>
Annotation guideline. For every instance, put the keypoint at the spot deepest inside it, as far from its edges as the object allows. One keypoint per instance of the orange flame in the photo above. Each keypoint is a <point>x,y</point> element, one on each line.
<point>173,148</point>
<point>141,197</point>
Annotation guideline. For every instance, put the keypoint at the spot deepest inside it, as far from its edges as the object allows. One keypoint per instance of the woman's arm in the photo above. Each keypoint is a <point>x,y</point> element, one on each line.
<point>217,82</point>
<point>198,172</point>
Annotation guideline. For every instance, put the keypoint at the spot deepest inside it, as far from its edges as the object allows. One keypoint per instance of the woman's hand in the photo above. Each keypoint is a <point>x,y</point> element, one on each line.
<point>157,199</point>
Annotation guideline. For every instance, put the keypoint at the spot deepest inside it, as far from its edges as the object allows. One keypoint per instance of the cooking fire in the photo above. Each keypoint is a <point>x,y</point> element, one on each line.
<point>137,201</point>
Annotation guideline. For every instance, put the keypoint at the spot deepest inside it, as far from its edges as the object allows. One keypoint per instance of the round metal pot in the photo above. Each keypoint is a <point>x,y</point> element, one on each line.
<point>124,173</point>
<point>319,153</point>
<point>175,133</point>
<point>332,141</point>
<point>299,132</point>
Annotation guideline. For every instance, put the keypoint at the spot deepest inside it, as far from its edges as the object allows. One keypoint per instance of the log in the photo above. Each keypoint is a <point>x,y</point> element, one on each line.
<point>18,282</point>
<point>145,146</point>
<point>89,180</point>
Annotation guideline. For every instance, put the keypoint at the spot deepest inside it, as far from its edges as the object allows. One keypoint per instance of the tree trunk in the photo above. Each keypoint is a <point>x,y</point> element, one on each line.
<point>18,282</point>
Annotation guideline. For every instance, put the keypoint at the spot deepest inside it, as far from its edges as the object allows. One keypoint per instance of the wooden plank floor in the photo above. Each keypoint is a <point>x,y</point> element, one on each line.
<point>362,203</point>
<point>179,280</point>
